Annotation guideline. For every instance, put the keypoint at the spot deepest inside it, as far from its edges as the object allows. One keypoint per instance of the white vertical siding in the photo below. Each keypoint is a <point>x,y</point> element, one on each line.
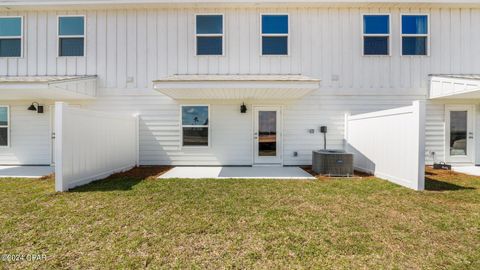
<point>152,43</point>
<point>128,48</point>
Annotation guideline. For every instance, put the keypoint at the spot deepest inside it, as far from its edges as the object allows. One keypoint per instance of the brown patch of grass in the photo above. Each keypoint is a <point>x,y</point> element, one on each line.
<point>142,172</point>
<point>357,174</point>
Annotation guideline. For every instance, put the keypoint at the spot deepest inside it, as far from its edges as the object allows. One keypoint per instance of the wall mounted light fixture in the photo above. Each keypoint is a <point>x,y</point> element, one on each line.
<point>38,108</point>
<point>243,108</point>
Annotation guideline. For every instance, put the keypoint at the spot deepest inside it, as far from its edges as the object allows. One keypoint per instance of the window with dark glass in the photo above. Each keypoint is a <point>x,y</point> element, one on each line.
<point>71,36</point>
<point>195,125</point>
<point>4,125</point>
<point>209,34</point>
<point>415,34</point>
<point>274,34</point>
<point>376,34</point>
<point>11,36</point>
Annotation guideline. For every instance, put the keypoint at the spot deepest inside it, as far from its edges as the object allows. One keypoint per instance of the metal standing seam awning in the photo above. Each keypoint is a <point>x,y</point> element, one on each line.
<point>48,87</point>
<point>454,86</point>
<point>236,86</point>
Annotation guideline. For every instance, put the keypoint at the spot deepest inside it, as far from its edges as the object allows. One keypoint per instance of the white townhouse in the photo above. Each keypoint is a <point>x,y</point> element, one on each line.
<point>238,82</point>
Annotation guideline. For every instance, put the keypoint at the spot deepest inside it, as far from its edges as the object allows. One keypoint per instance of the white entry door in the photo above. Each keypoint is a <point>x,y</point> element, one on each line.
<point>267,137</point>
<point>460,140</point>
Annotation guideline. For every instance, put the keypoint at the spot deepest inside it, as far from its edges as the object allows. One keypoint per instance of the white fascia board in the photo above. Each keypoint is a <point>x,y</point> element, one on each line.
<point>85,3</point>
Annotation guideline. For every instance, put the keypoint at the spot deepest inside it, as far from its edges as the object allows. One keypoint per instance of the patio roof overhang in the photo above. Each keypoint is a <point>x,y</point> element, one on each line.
<point>241,87</point>
<point>48,87</point>
<point>454,86</point>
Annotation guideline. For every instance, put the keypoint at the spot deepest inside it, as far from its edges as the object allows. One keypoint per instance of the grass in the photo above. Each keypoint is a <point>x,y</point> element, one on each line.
<point>135,221</point>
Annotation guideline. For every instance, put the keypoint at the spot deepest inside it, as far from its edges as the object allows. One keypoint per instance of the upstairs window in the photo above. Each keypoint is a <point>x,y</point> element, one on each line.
<point>195,125</point>
<point>415,31</point>
<point>4,126</point>
<point>11,35</point>
<point>209,34</point>
<point>376,34</point>
<point>71,35</point>
<point>275,34</point>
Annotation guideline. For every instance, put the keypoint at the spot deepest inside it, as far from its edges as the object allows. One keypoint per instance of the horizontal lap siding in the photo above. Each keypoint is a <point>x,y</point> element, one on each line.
<point>129,48</point>
<point>30,137</point>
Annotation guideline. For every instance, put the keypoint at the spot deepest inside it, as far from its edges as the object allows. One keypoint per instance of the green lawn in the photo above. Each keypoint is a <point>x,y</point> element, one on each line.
<point>136,221</point>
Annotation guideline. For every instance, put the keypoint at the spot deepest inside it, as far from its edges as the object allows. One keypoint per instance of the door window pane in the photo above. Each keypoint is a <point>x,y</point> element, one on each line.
<point>267,133</point>
<point>458,133</point>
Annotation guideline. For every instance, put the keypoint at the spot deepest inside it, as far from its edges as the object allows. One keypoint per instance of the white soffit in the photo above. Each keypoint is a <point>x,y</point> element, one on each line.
<point>455,86</point>
<point>48,87</point>
<point>236,86</point>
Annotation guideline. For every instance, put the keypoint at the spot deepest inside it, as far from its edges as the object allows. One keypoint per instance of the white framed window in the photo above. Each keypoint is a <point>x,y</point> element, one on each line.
<point>415,34</point>
<point>11,36</point>
<point>71,35</point>
<point>195,125</point>
<point>376,34</point>
<point>275,29</point>
<point>209,34</point>
<point>4,126</point>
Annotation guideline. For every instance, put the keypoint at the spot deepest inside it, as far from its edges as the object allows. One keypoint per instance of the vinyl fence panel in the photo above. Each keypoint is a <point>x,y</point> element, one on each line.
<point>390,144</point>
<point>92,145</point>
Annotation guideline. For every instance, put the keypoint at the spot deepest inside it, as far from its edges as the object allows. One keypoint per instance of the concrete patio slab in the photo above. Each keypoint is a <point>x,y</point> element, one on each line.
<point>25,171</point>
<point>471,170</point>
<point>237,173</point>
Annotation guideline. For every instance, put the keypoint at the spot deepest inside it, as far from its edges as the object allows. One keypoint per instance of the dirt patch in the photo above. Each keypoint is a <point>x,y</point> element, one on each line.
<point>357,174</point>
<point>142,172</point>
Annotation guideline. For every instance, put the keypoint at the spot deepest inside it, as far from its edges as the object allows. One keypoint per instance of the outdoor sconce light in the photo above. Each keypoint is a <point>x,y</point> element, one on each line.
<point>243,108</point>
<point>38,108</point>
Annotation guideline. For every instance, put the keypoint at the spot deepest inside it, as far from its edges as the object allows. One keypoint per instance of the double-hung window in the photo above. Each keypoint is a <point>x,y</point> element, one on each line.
<point>209,34</point>
<point>415,31</point>
<point>4,126</point>
<point>376,34</point>
<point>11,35</point>
<point>195,125</point>
<point>71,35</point>
<point>275,29</point>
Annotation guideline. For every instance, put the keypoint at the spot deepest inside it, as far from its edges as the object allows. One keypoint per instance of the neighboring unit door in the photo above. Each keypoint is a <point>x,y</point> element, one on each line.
<point>459,127</point>
<point>267,140</point>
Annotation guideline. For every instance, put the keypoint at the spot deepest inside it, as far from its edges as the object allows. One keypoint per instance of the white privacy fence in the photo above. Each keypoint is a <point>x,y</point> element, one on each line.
<point>91,145</point>
<point>390,144</point>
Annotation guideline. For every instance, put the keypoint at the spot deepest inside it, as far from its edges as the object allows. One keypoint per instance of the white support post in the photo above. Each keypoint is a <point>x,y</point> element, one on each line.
<point>59,112</point>
<point>345,131</point>
<point>419,111</point>
<point>137,139</point>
